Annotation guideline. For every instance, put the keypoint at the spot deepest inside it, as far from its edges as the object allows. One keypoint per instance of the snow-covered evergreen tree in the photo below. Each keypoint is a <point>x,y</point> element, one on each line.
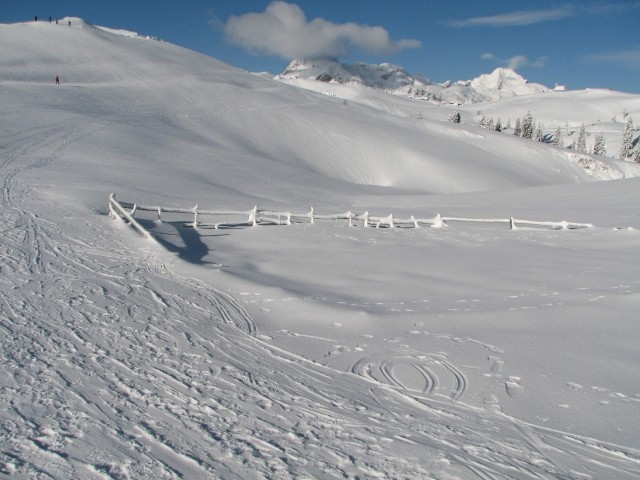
<point>498,127</point>
<point>455,117</point>
<point>557,139</point>
<point>527,126</point>
<point>599,147</point>
<point>489,124</point>
<point>581,145</point>
<point>539,133</point>
<point>482,122</point>
<point>636,157</point>
<point>627,137</point>
<point>517,130</point>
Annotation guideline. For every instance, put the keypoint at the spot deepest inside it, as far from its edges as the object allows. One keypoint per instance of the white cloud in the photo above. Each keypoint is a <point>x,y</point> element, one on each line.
<point>283,30</point>
<point>624,58</point>
<point>515,62</point>
<point>515,18</point>
<point>530,17</point>
<point>540,62</point>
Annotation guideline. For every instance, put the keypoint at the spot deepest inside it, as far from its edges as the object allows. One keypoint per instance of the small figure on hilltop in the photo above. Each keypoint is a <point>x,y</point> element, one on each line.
<point>50,19</point>
<point>36,19</point>
<point>69,22</point>
<point>57,80</point>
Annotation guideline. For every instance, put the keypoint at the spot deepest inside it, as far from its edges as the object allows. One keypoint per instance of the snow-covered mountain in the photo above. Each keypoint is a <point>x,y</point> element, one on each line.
<point>384,76</point>
<point>309,350</point>
<point>502,95</point>
<point>502,83</point>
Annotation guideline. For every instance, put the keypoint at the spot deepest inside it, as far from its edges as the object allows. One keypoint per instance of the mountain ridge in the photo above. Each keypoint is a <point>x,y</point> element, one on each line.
<point>501,83</point>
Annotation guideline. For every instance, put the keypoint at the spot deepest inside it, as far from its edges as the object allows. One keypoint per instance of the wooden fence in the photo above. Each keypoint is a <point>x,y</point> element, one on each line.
<point>255,216</point>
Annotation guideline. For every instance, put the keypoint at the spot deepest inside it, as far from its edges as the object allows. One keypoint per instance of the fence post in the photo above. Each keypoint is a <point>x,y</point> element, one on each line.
<point>512,223</point>
<point>195,216</point>
<point>288,218</point>
<point>350,216</point>
<point>312,216</point>
<point>415,222</point>
<point>159,215</point>
<point>253,214</point>
<point>112,212</point>
<point>365,219</point>
<point>565,225</point>
<point>438,222</point>
<point>133,210</point>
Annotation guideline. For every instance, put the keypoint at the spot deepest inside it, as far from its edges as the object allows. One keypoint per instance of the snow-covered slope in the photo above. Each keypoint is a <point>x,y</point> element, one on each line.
<point>270,129</point>
<point>306,351</point>
<point>604,112</point>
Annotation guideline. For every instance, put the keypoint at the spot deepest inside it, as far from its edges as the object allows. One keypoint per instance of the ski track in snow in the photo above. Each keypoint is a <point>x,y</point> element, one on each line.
<point>115,367</point>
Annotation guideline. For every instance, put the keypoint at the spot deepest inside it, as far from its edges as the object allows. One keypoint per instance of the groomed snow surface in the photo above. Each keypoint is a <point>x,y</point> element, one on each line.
<point>300,351</point>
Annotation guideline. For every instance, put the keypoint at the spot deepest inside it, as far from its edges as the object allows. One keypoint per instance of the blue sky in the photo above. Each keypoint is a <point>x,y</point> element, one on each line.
<point>580,44</point>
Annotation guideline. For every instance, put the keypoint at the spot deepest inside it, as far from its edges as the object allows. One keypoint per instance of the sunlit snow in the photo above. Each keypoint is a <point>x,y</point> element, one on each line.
<point>305,350</point>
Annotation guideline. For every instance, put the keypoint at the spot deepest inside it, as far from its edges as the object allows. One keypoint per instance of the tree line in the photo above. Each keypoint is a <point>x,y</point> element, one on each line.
<point>526,128</point>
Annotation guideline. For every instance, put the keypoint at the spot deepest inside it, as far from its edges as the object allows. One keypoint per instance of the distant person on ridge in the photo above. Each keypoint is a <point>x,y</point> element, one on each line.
<point>57,80</point>
<point>36,19</point>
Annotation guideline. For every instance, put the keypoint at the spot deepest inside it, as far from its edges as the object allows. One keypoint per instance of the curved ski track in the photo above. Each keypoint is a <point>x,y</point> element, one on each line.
<point>115,367</point>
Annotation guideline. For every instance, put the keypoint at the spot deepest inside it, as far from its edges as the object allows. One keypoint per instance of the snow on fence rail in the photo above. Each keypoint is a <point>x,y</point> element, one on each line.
<point>255,216</point>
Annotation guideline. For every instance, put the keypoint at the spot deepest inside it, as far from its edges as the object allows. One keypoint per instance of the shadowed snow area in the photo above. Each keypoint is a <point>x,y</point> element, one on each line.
<point>309,350</point>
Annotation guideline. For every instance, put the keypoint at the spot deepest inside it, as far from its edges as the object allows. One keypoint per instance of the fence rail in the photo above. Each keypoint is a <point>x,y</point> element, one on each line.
<point>255,216</point>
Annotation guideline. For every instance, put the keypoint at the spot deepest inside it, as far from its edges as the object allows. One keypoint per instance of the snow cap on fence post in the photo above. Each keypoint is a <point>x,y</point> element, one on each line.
<point>565,225</point>
<point>195,216</point>
<point>390,220</point>
<point>288,218</point>
<point>112,198</point>
<point>253,214</point>
<point>159,214</point>
<point>438,222</point>
<point>512,223</point>
<point>311,215</point>
<point>415,222</point>
<point>365,219</point>
<point>350,217</point>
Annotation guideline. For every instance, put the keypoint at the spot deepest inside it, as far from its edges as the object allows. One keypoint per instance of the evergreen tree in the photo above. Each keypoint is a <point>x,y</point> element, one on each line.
<point>455,117</point>
<point>517,130</point>
<point>599,147</point>
<point>636,157</point>
<point>539,133</point>
<point>508,123</point>
<point>482,122</point>
<point>557,139</point>
<point>581,145</point>
<point>498,127</point>
<point>489,124</point>
<point>627,135</point>
<point>527,126</point>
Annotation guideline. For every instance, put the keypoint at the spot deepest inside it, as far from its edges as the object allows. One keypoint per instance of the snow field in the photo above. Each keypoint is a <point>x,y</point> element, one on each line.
<point>305,351</point>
